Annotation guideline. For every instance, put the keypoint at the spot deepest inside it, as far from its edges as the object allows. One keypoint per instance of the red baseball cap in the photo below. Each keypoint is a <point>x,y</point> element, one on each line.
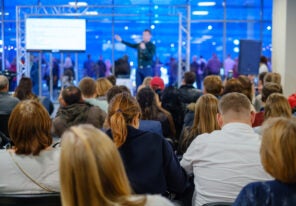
<point>157,83</point>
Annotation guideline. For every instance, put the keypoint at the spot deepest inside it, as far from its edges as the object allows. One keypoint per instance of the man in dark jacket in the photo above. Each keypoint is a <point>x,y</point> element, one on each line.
<point>189,94</point>
<point>146,51</point>
<point>73,110</point>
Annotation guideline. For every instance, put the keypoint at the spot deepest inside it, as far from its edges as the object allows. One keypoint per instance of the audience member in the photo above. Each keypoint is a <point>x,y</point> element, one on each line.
<point>32,165</point>
<point>206,110</point>
<point>213,85</point>
<point>145,125</point>
<point>103,180</point>
<point>88,89</point>
<point>145,83</point>
<point>188,93</point>
<point>225,160</point>
<point>152,111</point>
<point>258,103</point>
<point>268,89</point>
<point>112,79</point>
<point>272,77</point>
<point>278,158</point>
<point>263,65</point>
<point>7,103</point>
<point>24,92</point>
<point>276,105</point>
<point>103,85</point>
<point>73,110</point>
<point>149,160</point>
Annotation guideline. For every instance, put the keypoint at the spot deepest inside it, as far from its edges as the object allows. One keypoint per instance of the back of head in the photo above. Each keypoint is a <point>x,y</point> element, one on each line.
<point>112,79</point>
<point>189,77</point>
<point>213,85</point>
<point>171,99</point>
<point>206,109</point>
<point>4,83</point>
<point>235,106</point>
<point>24,89</point>
<point>233,85</point>
<point>272,77</point>
<point>247,86</point>
<point>116,90</point>
<point>103,180</point>
<point>277,105</point>
<point>261,76</point>
<point>147,102</point>
<point>29,127</point>
<point>71,95</point>
<point>103,85</point>
<point>270,88</point>
<point>122,111</point>
<point>88,87</point>
<point>278,145</point>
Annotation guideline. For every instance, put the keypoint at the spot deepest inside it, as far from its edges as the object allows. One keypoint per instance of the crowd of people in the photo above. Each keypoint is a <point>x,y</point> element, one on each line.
<point>163,146</point>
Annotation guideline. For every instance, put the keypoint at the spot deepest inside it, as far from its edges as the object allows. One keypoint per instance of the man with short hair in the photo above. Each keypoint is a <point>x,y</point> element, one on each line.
<point>189,94</point>
<point>225,160</point>
<point>7,102</point>
<point>73,111</point>
<point>213,85</point>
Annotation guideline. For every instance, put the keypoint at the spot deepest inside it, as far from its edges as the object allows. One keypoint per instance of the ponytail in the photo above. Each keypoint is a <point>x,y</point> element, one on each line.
<point>118,128</point>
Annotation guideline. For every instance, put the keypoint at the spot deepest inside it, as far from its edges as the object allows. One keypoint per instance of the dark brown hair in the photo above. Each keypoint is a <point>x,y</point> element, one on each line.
<point>88,87</point>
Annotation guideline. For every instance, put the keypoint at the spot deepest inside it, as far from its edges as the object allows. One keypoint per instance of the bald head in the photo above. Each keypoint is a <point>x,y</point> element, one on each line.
<point>4,83</point>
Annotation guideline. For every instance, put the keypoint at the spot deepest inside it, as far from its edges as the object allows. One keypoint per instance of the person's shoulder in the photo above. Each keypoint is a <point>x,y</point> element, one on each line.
<point>153,200</point>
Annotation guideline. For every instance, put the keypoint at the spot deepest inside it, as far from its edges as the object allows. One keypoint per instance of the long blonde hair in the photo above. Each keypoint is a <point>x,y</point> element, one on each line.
<point>91,170</point>
<point>206,109</point>
<point>122,109</point>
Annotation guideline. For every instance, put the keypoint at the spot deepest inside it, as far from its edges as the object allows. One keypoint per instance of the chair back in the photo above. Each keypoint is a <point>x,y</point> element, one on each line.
<point>44,199</point>
<point>4,123</point>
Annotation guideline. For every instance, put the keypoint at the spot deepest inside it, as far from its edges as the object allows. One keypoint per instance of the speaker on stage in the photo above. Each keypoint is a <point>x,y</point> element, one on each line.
<point>249,56</point>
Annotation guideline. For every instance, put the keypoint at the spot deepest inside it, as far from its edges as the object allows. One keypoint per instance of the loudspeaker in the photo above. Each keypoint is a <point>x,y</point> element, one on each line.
<point>249,56</point>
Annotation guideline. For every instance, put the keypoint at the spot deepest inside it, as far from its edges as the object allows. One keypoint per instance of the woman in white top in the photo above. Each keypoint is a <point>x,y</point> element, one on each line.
<point>92,172</point>
<point>32,166</point>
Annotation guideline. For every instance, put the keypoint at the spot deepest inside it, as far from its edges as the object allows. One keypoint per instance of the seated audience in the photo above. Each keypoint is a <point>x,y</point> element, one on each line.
<point>276,105</point>
<point>267,90</point>
<point>112,79</point>
<point>171,101</point>
<point>103,85</point>
<point>188,93</point>
<point>213,84</point>
<point>103,180</point>
<point>145,83</point>
<point>278,158</point>
<point>206,110</point>
<point>32,165</point>
<point>149,160</point>
<point>24,92</point>
<point>73,110</point>
<point>146,125</point>
<point>152,111</point>
<point>7,102</point>
<point>258,103</point>
<point>88,89</point>
<point>272,77</point>
<point>225,160</point>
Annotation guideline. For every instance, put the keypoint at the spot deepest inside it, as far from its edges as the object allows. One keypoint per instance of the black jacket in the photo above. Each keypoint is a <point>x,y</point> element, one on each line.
<point>189,94</point>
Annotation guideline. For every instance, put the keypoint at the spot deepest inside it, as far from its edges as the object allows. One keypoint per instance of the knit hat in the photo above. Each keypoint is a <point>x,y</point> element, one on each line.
<point>157,83</point>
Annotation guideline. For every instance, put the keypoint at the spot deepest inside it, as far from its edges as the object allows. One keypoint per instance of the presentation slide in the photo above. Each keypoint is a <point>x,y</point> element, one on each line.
<point>55,34</point>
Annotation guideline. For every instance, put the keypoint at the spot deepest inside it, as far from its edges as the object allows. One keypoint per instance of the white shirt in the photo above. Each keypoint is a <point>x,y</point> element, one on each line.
<point>154,200</point>
<point>223,162</point>
<point>43,168</point>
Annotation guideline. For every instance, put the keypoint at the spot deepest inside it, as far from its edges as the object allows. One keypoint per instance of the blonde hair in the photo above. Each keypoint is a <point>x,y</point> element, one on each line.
<point>205,121</point>
<point>91,170</point>
<point>277,151</point>
<point>277,105</point>
<point>123,108</point>
<point>103,85</point>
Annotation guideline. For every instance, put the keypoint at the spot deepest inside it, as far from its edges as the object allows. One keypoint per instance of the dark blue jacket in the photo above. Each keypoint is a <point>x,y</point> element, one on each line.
<point>151,164</point>
<point>271,193</point>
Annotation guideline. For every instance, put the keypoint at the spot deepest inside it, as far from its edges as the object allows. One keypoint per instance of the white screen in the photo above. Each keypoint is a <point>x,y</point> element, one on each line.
<point>55,34</point>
